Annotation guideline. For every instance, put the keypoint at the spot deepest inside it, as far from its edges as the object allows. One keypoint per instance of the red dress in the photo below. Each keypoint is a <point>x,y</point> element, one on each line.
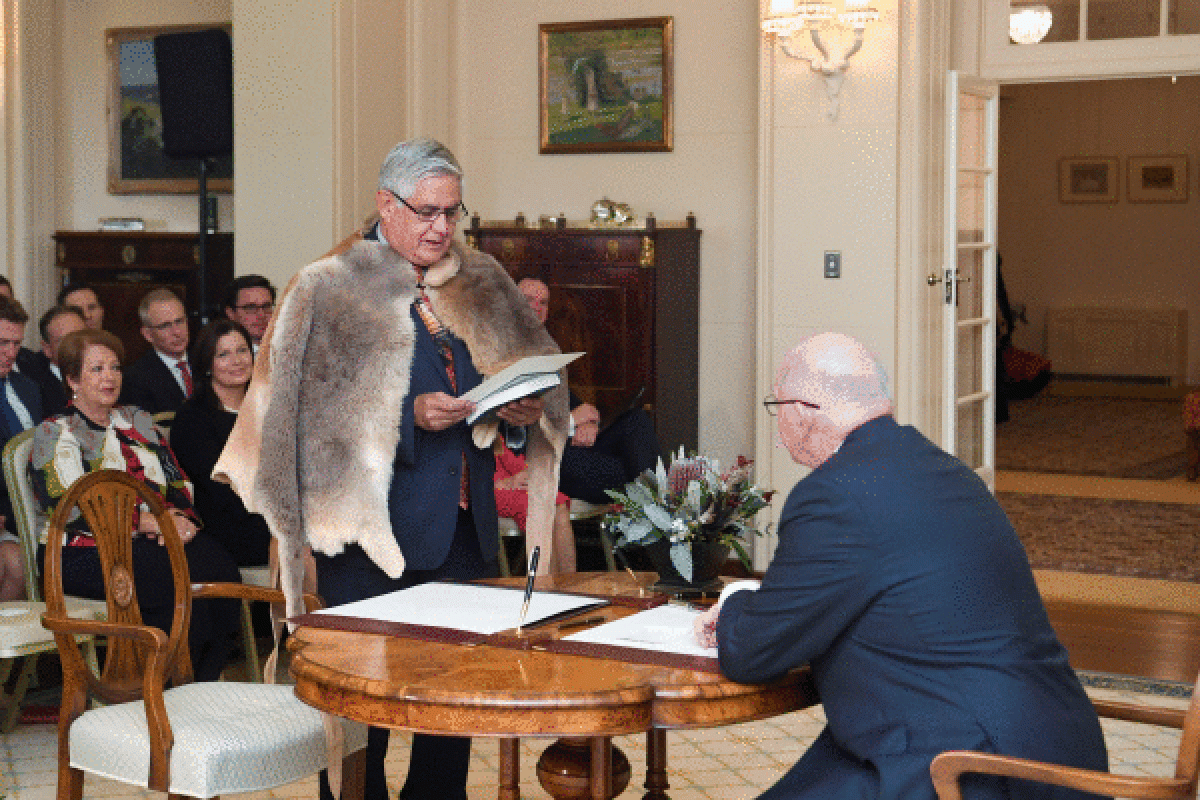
<point>514,503</point>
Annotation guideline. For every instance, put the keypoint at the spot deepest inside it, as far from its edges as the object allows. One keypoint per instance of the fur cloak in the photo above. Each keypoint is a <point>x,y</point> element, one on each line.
<point>316,436</point>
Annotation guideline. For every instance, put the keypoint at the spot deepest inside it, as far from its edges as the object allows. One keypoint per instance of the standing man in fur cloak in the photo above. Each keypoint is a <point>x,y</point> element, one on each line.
<point>353,441</point>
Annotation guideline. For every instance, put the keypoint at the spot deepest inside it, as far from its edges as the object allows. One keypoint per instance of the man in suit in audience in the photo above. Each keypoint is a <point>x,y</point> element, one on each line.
<point>595,459</point>
<point>42,367</point>
<point>250,301</point>
<point>900,581</point>
<point>162,378</point>
<point>20,410</point>
<point>84,298</point>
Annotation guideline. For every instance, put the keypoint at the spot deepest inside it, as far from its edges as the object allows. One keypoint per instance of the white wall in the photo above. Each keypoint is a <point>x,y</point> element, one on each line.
<point>711,170</point>
<point>1129,255</point>
<point>81,160</point>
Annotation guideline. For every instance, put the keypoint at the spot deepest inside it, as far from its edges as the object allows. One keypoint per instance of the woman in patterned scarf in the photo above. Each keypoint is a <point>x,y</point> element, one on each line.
<point>94,433</point>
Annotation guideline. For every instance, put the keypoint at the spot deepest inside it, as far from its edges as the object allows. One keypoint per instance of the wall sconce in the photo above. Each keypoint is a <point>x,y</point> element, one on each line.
<point>786,18</point>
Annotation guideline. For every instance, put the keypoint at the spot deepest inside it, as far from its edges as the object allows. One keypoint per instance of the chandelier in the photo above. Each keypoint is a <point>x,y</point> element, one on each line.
<point>1029,24</point>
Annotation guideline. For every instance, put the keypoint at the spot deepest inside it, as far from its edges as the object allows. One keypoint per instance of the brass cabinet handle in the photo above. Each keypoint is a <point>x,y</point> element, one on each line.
<point>612,250</point>
<point>508,249</point>
<point>129,254</point>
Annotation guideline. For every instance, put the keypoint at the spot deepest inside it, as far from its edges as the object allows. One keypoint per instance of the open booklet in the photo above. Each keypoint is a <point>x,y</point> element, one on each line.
<point>530,375</point>
<point>667,629</point>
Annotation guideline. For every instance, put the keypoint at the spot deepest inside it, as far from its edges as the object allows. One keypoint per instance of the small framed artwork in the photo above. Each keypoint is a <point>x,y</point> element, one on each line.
<point>1157,179</point>
<point>605,86</point>
<point>1088,180</point>
<point>136,162</point>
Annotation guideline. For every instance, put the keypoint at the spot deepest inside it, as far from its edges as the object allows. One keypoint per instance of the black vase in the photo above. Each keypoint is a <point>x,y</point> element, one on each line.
<point>708,557</point>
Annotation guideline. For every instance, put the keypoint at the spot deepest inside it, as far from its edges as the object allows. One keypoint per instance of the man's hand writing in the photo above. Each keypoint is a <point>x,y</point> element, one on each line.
<point>704,627</point>
<point>436,411</point>
<point>525,411</point>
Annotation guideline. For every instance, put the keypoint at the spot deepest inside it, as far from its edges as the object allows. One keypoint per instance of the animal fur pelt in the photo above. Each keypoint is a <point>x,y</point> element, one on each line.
<point>313,447</point>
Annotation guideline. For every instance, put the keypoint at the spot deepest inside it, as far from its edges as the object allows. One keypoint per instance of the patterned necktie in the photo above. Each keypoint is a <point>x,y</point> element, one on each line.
<point>186,372</point>
<point>441,338</point>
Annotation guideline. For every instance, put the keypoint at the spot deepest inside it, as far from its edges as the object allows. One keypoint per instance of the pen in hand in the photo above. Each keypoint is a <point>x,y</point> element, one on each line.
<point>532,573</point>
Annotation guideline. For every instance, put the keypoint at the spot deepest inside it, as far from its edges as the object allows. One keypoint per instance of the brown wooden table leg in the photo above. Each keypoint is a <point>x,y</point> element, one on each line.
<point>568,768</point>
<point>656,765</point>
<point>510,768</point>
<point>601,768</point>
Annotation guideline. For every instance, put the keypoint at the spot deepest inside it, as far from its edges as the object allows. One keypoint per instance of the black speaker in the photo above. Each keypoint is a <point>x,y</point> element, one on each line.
<point>195,89</point>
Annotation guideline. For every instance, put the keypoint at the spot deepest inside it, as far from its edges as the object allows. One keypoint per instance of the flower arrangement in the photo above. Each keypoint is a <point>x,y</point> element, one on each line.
<point>693,501</point>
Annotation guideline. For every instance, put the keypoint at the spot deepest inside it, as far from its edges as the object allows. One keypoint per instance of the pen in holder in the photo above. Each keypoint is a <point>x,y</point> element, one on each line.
<point>531,574</point>
<point>624,563</point>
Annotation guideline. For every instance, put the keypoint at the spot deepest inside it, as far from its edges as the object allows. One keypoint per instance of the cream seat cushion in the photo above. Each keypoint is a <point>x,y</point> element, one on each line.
<point>229,738</point>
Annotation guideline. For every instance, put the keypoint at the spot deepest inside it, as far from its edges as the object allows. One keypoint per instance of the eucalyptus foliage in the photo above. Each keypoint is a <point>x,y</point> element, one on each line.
<point>692,501</point>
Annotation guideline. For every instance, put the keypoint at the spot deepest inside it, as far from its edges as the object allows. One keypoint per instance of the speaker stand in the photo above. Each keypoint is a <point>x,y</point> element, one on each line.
<point>201,284</point>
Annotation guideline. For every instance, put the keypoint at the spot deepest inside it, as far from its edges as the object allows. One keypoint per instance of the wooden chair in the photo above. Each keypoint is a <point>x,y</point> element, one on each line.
<point>949,766</point>
<point>22,637</point>
<point>191,739</point>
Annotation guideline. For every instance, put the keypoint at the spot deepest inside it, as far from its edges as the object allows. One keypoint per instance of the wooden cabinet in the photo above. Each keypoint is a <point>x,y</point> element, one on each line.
<point>629,298</point>
<point>122,267</point>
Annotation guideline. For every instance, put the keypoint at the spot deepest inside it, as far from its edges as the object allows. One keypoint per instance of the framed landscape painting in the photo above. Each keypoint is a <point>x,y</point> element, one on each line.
<point>136,162</point>
<point>1158,179</point>
<point>605,86</point>
<point>1088,179</point>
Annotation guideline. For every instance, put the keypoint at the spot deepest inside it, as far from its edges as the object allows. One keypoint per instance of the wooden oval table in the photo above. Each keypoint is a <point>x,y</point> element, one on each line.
<point>511,692</point>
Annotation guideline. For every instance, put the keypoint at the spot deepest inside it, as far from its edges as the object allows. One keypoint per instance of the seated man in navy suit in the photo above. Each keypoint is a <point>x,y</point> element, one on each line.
<point>42,367</point>
<point>20,410</point>
<point>597,459</point>
<point>162,378</point>
<point>900,581</point>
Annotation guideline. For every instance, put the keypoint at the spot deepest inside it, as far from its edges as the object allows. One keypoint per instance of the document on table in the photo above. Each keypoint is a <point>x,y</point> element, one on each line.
<point>465,607</point>
<point>667,629</point>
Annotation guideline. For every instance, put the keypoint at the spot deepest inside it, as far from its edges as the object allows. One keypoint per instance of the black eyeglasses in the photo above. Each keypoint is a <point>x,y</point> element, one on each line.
<point>770,403</point>
<point>430,213</point>
<point>256,308</point>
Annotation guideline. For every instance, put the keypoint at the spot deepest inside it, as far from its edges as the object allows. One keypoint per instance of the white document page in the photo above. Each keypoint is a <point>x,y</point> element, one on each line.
<point>667,629</point>
<point>478,609</point>
<point>530,365</point>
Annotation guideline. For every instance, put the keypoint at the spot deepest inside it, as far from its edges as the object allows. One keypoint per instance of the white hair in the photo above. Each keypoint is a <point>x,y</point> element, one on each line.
<point>411,162</point>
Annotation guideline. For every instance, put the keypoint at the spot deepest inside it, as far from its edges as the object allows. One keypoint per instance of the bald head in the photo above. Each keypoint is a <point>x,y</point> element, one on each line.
<point>538,296</point>
<point>839,375</point>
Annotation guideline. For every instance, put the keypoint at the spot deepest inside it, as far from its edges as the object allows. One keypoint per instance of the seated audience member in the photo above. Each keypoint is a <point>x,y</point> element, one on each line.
<point>20,410</point>
<point>43,367</point>
<point>512,500</point>
<point>84,298</point>
<point>24,354</point>
<point>250,301</point>
<point>162,378</point>
<point>594,459</point>
<point>95,433</point>
<point>224,363</point>
<point>900,582</point>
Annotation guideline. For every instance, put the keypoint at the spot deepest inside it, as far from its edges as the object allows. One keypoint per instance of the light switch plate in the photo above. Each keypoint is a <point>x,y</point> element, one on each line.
<point>833,263</point>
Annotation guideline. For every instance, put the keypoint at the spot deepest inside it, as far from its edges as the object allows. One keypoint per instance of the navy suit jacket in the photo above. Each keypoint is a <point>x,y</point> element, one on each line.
<point>899,579</point>
<point>31,397</point>
<point>36,367</point>
<point>423,498</point>
<point>148,384</point>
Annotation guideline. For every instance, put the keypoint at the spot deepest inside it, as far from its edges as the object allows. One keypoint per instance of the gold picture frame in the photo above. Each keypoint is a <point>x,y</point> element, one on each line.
<point>605,86</point>
<point>1088,179</point>
<point>136,162</point>
<point>1157,179</point>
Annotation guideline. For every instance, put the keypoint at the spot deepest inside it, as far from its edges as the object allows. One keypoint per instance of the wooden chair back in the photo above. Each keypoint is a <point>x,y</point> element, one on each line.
<point>947,768</point>
<point>108,500</point>
<point>25,508</point>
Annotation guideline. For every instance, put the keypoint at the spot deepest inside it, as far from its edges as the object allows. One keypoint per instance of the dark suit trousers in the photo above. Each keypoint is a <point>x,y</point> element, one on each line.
<point>622,451</point>
<point>438,764</point>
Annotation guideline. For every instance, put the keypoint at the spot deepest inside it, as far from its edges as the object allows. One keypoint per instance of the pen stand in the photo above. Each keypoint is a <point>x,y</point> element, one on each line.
<point>522,638</point>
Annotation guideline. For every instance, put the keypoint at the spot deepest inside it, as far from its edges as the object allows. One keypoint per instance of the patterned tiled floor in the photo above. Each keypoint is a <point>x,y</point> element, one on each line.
<point>726,764</point>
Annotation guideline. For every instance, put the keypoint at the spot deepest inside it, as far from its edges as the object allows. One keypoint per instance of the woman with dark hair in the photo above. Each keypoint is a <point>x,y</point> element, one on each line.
<point>223,361</point>
<point>95,433</point>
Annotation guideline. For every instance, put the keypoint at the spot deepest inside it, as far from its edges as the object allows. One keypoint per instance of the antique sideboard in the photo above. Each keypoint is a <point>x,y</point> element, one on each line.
<point>123,266</point>
<point>628,297</point>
